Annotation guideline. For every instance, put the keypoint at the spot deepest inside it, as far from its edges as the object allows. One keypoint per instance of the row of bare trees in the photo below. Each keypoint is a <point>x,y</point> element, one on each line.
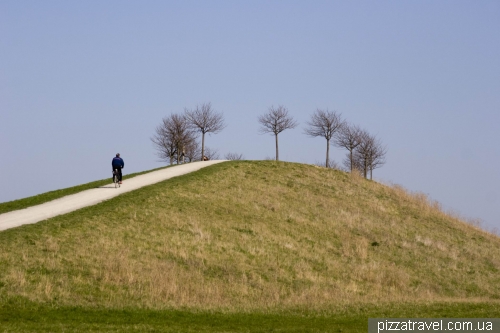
<point>176,138</point>
<point>365,151</point>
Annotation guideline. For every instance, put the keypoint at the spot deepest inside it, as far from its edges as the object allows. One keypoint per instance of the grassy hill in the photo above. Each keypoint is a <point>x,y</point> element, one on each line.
<point>241,237</point>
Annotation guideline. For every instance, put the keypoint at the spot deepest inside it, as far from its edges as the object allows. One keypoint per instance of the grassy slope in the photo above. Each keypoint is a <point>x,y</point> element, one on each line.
<point>254,236</point>
<point>52,195</point>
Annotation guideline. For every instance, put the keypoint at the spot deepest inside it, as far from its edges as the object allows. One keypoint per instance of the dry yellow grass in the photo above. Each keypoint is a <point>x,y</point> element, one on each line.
<point>252,235</point>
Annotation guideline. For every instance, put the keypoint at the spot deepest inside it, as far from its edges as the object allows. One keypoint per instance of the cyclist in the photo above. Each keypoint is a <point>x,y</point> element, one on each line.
<point>118,164</point>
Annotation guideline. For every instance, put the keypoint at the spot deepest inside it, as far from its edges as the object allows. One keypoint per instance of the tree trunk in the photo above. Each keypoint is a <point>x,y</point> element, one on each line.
<point>202,145</point>
<point>277,156</point>
<point>327,153</point>
<point>351,159</point>
<point>371,173</point>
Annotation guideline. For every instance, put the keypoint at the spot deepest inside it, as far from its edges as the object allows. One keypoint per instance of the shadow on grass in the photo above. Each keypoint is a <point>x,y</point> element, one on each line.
<point>31,317</point>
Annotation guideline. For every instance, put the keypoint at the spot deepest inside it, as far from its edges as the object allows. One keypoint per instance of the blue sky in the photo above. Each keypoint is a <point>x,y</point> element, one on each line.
<point>80,81</point>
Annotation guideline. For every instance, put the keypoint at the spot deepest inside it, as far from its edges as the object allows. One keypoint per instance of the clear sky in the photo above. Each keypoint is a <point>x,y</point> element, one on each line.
<point>83,80</point>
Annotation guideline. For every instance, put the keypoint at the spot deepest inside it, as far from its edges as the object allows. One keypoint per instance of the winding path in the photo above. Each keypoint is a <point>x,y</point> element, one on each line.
<point>94,196</point>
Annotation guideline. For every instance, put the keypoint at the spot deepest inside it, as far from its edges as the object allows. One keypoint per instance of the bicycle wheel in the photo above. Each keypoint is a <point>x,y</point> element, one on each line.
<point>115,180</point>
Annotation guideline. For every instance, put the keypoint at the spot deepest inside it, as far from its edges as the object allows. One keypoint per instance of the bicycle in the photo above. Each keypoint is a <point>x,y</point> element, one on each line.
<point>116,181</point>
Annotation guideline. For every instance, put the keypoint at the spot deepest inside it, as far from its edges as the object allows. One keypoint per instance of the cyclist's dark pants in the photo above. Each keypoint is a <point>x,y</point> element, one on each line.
<point>119,171</point>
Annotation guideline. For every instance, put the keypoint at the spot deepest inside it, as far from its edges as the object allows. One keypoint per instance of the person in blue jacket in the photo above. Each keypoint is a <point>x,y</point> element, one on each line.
<point>118,164</point>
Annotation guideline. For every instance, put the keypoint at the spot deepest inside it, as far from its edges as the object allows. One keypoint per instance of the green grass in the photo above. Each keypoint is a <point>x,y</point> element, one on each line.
<point>52,195</point>
<point>29,317</point>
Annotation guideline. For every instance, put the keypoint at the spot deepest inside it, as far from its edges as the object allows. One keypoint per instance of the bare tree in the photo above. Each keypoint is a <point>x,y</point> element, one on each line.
<point>233,156</point>
<point>275,121</point>
<point>349,137</point>
<point>324,124</point>
<point>369,154</point>
<point>205,120</point>
<point>172,136</point>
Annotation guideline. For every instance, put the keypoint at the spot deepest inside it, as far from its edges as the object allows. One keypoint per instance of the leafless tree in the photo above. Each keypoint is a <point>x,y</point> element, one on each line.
<point>349,137</point>
<point>205,120</point>
<point>233,156</point>
<point>275,121</point>
<point>324,124</point>
<point>172,136</point>
<point>369,154</point>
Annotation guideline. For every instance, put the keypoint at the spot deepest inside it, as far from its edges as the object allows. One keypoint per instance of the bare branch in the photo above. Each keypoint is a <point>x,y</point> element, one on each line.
<point>205,119</point>
<point>324,124</point>
<point>276,120</point>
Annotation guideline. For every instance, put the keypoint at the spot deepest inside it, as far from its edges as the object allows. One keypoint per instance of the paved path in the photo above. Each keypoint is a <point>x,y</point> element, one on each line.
<point>94,196</point>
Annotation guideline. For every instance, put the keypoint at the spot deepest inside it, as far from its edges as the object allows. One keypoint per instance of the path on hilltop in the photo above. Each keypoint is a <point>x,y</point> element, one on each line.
<point>94,196</point>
